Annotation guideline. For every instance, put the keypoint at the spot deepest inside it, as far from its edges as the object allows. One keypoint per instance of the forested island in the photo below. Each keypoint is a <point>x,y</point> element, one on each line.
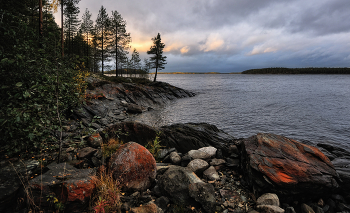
<point>308,70</point>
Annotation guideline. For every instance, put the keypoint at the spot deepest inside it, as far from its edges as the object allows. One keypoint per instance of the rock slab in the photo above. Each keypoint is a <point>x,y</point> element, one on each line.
<point>286,166</point>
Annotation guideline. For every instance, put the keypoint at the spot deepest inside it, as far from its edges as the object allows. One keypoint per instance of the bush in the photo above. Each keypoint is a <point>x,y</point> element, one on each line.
<point>37,86</point>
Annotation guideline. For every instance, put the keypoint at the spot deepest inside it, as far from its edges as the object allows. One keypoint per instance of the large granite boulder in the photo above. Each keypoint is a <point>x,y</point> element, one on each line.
<point>273,163</point>
<point>133,166</point>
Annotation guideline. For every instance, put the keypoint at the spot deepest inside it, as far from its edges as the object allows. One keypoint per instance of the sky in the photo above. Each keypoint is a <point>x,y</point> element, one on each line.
<point>236,35</point>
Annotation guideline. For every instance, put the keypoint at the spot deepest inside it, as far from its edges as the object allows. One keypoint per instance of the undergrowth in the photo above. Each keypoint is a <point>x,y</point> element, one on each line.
<point>154,146</point>
<point>107,196</point>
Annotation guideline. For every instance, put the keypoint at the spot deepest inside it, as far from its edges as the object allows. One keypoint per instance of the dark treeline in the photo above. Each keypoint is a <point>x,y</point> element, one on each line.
<point>43,67</point>
<point>308,70</point>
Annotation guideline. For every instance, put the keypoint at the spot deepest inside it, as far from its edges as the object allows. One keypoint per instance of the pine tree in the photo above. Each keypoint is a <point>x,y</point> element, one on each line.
<point>120,38</point>
<point>86,29</point>
<point>102,24</point>
<point>157,60</point>
<point>135,61</point>
<point>71,12</point>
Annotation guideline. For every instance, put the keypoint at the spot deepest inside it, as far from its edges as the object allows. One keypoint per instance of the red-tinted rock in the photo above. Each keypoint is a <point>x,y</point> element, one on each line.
<point>95,140</point>
<point>277,163</point>
<point>134,166</point>
<point>72,187</point>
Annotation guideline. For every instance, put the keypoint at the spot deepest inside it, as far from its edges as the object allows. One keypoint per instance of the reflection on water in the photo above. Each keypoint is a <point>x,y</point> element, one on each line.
<point>305,107</point>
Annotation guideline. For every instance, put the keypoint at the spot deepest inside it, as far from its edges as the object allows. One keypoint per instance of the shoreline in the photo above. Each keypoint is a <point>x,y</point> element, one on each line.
<point>116,102</point>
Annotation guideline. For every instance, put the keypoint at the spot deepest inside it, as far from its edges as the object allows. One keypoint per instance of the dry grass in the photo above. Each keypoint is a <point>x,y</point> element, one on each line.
<point>112,146</point>
<point>107,197</point>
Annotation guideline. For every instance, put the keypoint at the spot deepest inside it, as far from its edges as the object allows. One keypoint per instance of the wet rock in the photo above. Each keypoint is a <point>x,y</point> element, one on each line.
<point>192,136</point>
<point>69,185</point>
<point>175,158</point>
<point>306,209</point>
<point>174,184</point>
<point>86,152</point>
<point>203,193</point>
<point>290,210</point>
<point>197,154</point>
<point>132,131</point>
<point>134,166</point>
<point>211,174</point>
<point>198,165</point>
<point>269,209</point>
<point>147,208</point>
<point>162,202</point>
<point>232,162</point>
<point>185,160</point>
<point>95,140</point>
<point>211,151</point>
<point>217,162</point>
<point>268,199</point>
<point>287,167</point>
<point>320,202</point>
<point>133,108</point>
<point>164,152</point>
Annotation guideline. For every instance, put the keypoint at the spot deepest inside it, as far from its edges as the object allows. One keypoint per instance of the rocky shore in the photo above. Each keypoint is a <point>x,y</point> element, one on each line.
<point>198,168</point>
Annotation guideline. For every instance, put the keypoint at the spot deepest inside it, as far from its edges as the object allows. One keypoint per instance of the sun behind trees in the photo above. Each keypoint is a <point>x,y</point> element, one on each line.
<point>157,60</point>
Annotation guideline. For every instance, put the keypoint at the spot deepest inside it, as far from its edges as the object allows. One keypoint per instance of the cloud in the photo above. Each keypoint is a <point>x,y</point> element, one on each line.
<point>238,34</point>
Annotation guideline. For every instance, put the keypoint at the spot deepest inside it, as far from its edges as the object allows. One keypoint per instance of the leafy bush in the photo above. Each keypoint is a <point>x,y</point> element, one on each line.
<point>154,146</point>
<point>36,87</point>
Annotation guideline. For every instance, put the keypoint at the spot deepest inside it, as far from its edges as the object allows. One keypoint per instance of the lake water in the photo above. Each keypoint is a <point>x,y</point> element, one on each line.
<point>304,107</point>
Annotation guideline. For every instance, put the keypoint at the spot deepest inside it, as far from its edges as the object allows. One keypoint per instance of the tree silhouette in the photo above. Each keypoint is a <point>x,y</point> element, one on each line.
<point>157,60</point>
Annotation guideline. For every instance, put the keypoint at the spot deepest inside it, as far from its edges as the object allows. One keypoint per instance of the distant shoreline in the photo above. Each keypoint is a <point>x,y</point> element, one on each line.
<point>277,70</point>
<point>193,73</point>
<point>309,70</point>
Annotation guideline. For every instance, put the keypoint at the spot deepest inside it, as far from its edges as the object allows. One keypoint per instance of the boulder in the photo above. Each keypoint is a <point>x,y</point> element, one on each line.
<point>203,193</point>
<point>175,158</point>
<point>269,209</point>
<point>274,163</point>
<point>211,174</point>
<point>198,165</point>
<point>306,209</point>
<point>133,166</point>
<point>192,136</point>
<point>217,162</point>
<point>268,199</point>
<point>132,131</point>
<point>147,208</point>
<point>95,140</point>
<point>72,187</point>
<point>86,152</point>
<point>197,154</point>
<point>211,151</point>
<point>343,169</point>
<point>174,184</point>
<point>133,108</point>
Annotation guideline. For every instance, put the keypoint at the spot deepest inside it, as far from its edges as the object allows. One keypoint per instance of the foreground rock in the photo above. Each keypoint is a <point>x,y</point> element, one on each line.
<point>182,137</point>
<point>278,164</point>
<point>134,166</point>
<point>70,186</point>
<point>192,136</point>
<point>341,160</point>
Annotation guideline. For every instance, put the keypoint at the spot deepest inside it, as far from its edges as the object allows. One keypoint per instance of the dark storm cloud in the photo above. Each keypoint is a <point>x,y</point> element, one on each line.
<point>328,18</point>
<point>238,34</point>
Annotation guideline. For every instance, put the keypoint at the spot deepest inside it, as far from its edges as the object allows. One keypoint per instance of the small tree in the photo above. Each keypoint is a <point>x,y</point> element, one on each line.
<point>157,60</point>
<point>136,61</point>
